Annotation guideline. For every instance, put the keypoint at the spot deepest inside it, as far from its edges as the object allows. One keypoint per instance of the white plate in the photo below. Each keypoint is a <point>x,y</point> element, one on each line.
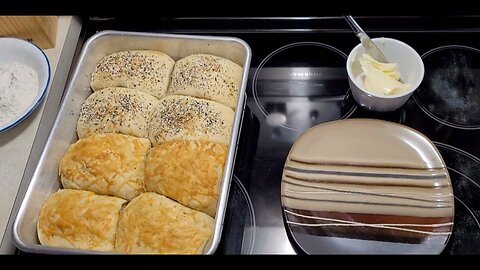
<point>26,53</point>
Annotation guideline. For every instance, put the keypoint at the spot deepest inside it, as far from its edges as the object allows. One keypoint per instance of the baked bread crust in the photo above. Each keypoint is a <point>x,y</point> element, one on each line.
<point>145,70</point>
<point>118,110</point>
<point>189,118</point>
<point>207,76</point>
<point>153,223</point>
<point>79,219</point>
<point>107,164</point>
<point>188,172</point>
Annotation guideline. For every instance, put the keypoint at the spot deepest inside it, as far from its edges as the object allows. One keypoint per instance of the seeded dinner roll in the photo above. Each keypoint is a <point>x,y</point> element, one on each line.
<point>153,223</point>
<point>207,76</point>
<point>118,110</point>
<point>107,164</point>
<point>145,70</point>
<point>79,219</point>
<point>187,171</point>
<point>188,118</point>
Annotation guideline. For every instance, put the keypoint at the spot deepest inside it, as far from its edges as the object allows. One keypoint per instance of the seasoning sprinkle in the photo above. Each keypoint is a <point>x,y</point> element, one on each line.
<point>148,71</point>
<point>207,76</point>
<point>183,117</point>
<point>115,109</point>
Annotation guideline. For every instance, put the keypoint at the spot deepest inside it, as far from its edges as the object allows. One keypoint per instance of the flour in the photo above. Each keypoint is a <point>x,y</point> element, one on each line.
<point>18,89</point>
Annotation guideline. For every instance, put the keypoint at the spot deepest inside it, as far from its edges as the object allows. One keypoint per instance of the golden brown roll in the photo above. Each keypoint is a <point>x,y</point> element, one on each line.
<point>107,164</point>
<point>118,110</point>
<point>207,76</point>
<point>145,70</point>
<point>187,171</point>
<point>153,223</point>
<point>79,219</point>
<point>188,118</point>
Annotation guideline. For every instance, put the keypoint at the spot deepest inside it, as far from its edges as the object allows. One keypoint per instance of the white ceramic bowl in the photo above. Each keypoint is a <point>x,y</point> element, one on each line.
<point>26,53</point>
<point>411,69</point>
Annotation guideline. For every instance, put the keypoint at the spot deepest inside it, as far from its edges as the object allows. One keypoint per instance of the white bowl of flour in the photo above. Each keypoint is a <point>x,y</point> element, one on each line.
<point>24,78</point>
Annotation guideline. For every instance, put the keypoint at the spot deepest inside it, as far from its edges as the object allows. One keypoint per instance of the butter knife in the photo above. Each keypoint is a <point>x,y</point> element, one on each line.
<point>367,43</point>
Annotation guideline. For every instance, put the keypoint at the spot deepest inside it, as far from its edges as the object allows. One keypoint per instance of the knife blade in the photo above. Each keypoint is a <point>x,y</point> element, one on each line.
<point>370,47</point>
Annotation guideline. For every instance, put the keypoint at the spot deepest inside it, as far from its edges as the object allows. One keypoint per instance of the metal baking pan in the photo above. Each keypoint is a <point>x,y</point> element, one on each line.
<point>45,180</point>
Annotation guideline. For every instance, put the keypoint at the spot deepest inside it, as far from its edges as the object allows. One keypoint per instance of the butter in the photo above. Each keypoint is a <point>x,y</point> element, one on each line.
<point>381,78</point>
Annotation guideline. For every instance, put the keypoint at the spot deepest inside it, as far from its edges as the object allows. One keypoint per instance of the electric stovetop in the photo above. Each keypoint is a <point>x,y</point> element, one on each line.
<point>298,79</point>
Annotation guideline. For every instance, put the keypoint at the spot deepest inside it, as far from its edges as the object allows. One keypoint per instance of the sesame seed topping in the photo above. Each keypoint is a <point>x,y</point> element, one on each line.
<point>148,71</point>
<point>181,115</point>
<point>115,110</point>
<point>217,78</point>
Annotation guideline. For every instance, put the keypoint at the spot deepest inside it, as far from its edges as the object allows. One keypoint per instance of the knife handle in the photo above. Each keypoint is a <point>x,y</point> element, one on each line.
<point>354,25</point>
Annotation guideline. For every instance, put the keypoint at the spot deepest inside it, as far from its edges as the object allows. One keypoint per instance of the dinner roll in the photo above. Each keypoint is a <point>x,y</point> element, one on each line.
<point>153,223</point>
<point>188,118</point>
<point>107,164</point>
<point>187,171</point>
<point>79,219</point>
<point>118,110</point>
<point>145,70</point>
<point>207,76</point>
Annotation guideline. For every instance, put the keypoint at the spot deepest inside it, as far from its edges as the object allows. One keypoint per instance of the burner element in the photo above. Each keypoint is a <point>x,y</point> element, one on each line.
<point>240,207</point>
<point>464,170</point>
<point>303,84</point>
<point>450,91</point>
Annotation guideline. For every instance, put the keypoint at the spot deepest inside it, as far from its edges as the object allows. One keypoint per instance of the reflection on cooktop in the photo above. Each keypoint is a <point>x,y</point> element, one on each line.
<point>302,84</point>
<point>297,86</point>
<point>450,91</point>
<point>239,208</point>
<point>464,170</point>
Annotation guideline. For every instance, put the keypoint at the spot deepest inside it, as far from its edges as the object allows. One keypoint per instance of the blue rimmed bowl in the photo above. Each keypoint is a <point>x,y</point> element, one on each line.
<point>26,53</point>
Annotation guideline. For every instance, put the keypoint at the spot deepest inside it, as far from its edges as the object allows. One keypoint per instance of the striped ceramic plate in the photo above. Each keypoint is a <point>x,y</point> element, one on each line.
<point>366,186</point>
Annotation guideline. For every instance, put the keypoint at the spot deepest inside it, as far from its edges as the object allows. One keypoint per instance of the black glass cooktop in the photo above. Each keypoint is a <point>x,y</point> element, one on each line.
<point>298,79</point>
